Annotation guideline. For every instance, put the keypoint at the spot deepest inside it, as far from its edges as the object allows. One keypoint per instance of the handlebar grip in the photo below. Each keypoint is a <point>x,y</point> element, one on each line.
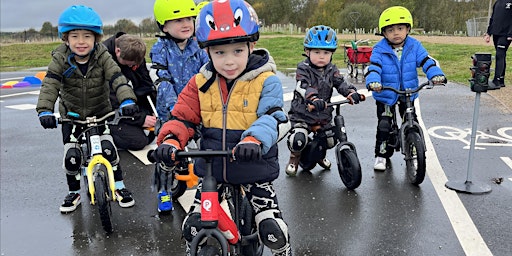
<point>151,156</point>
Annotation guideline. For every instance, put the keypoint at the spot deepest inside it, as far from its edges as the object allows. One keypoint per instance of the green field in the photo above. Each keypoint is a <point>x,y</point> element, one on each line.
<point>287,52</point>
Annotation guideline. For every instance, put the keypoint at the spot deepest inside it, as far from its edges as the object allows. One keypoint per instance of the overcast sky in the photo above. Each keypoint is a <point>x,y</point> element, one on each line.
<point>19,15</point>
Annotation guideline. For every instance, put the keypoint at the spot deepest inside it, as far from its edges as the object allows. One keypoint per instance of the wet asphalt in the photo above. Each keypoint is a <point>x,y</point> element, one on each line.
<point>384,216</point>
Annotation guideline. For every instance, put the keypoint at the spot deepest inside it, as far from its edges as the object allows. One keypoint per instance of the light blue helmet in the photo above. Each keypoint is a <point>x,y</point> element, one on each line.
<point>80,17</point>
<point>321,37</point>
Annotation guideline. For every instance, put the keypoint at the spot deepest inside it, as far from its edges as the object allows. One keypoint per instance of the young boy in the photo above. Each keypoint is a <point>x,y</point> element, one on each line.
<point>128,52</point>
<point>393,63</point>
<point>177,57</point>
<point>238,100</point>
<point>81,74</point>
<point>316,78</point>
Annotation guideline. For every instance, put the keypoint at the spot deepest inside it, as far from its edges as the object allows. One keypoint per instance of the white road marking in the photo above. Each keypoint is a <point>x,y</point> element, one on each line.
<point>22,106</point>
<point>12,78</point>
<point>507,160</point>
<point>18,94</point>
<point>469,237</point>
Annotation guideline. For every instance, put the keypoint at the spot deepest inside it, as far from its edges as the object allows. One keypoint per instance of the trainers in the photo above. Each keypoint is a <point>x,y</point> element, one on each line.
<point>164,202</point>
<point>287,251</point>
<point>380,164</point>
<point>70,203</point>
<point>293,165</point>
<point>124,197</point>
<point>325,163</point>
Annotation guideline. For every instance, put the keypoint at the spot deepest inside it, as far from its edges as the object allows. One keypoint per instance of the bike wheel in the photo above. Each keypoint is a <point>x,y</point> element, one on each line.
<point>415,158</point>
<point>102,197</point>
<point>178,187</point>
<point>209,250</point>
<point>349,168</point>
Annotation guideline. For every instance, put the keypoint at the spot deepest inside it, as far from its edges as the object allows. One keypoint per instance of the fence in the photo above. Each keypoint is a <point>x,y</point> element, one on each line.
<point>477,26</point>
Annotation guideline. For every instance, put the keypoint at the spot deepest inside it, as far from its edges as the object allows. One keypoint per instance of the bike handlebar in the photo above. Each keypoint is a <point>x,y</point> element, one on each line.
<point>194,154</point>
<point>95,120</point>
<point>429,85</point>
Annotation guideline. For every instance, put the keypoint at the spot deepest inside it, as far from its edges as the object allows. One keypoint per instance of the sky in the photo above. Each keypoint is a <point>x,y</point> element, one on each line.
<point>20,15</point>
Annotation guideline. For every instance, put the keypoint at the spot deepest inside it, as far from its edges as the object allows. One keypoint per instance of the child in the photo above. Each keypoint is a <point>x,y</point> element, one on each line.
<point>316,78</point>
<point>177,57</point>
<point>238,100</point>
<point>393,63</point>
<point>81,74</point>
<point>128,52</point>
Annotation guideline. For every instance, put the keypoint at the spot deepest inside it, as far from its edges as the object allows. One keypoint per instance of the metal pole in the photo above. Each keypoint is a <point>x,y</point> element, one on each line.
<point>473,137</point>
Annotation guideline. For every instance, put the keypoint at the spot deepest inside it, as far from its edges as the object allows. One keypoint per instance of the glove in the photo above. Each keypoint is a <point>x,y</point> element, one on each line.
<point>375,86</point>
<point>354,97</point>
<point>249,149</point>
<point>319,104</point>
<point>128,108</point>
<point>439,79</point>
<point>166,152</point>
<point>47,120</point>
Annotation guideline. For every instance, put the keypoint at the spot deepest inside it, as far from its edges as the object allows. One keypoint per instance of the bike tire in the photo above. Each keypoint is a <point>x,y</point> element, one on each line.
<point>102,197</point>
<point>415,150</point>
<point>178,187</point>
<point>209,250</point>
<point>248,227</point>
<point>349,168</point>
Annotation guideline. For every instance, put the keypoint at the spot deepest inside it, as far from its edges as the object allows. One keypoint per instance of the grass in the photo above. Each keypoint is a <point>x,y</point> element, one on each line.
<point>287,52</point>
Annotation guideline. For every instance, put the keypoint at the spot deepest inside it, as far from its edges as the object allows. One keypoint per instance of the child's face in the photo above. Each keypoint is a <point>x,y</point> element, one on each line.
<point>319,57</point>
<point>181,28</point>
<point>230,60</point>
<point>81,42</point>
<point>396,34</point>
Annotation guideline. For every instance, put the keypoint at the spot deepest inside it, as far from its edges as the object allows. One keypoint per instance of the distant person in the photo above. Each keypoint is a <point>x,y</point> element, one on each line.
<point>317,77</point>
<point>500,28</point>
<point>81,75</point>
<point>177,57</point>
<point>129,52</point>
<point>394,62</point>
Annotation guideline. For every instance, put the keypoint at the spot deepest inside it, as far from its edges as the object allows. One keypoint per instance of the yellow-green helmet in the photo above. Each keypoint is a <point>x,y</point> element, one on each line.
<point>165,10</point>
<point>201,5</point>
<point>395,15</point>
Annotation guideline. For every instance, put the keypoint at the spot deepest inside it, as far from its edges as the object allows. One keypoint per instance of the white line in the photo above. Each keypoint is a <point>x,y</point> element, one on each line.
<point>18,94</point>
<point>507,160</point>
<point>469,237</point>
<point>12,78</point>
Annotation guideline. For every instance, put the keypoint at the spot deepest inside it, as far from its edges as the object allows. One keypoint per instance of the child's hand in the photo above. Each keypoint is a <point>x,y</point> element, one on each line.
<point>439,79</point>
<point>377,87</point>
<point>249,149</point>
<point>47,120</point>
<point>354,97</point>
<point>316,103</point>
<point>166,152</point>
<point>128,108</point>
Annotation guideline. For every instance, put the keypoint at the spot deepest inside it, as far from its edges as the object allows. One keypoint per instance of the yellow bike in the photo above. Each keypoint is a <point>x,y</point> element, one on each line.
<point>99,176</point>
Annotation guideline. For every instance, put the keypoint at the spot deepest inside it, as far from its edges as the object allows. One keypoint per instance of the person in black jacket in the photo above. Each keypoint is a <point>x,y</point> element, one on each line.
<point>500,27</point>
<point>128,52</point>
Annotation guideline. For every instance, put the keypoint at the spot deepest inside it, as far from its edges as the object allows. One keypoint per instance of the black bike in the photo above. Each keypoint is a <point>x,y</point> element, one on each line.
<point>409,137</point>
<point>349,167</point>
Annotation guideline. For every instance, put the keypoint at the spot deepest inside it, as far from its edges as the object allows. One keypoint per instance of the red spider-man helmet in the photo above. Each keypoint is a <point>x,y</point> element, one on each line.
<point>225,22</point>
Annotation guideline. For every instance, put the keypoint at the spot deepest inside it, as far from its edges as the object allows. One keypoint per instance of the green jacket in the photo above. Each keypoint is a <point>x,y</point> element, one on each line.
<point>85,94</point>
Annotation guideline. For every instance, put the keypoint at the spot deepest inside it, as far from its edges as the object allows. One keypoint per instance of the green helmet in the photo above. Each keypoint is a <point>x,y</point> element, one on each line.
<point>165,10</point>
<point>395,15</point>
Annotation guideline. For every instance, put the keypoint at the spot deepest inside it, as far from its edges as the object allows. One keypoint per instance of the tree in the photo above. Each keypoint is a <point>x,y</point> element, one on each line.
<point>127,26</point>
<point>48,30</point>
<point>368,16</point>
<point>149,27</point>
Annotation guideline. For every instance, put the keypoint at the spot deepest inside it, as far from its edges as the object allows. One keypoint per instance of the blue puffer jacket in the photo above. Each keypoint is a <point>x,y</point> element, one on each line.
<point>174,68</point>
<point>386,69</point>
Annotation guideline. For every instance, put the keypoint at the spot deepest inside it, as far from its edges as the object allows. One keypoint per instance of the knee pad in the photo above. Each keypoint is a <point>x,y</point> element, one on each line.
<point>72,158</point>
<point>298,139</point>
<point>384,125</point>
<point>191,226</point>
<point>272,229</point>
<point>109,149</point>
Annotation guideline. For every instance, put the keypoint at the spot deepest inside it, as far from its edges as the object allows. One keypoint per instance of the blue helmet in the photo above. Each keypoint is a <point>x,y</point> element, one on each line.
<point>321,37</point>
<point>80,17</point>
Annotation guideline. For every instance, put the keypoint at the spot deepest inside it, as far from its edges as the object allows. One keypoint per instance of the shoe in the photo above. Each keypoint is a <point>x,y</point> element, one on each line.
<point>287,251</point>
<point>380,164</point>
<point>293,165</point>
<point>325,163</point>
<point>164,202</point>
<point>70,203</point>
<point>124,197</point>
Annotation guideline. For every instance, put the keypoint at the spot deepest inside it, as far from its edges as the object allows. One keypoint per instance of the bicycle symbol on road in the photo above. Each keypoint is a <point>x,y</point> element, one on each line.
<point>482,140</point>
